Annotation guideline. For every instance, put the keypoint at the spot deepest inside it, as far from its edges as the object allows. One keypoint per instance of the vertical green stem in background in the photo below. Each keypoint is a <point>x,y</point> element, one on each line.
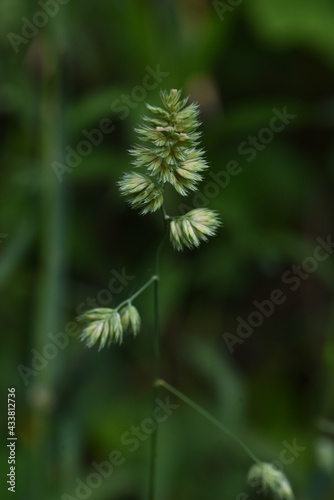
<point>209,417</point>
<point>156,366</point>
<point>49,280</point>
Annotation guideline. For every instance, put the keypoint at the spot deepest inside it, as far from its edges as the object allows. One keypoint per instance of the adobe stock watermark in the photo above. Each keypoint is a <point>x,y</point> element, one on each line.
<point>250,148</point>
<point>59,341</point>
<point>121,107</point>
<point>30,27</point>
<point>293,278</point>
<point>223,8</point>
<point>130,441</point>
<point>288,455</point>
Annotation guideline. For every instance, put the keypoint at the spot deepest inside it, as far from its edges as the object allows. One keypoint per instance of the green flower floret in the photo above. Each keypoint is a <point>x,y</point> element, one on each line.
<point>191,229</point>
<point>141,192</point>
<point>104,325</point>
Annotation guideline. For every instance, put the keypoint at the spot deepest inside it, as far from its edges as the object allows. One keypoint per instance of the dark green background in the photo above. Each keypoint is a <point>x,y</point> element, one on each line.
<point>65,238</point>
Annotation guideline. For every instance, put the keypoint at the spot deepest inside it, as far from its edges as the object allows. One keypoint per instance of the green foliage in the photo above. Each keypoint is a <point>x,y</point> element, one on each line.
<point>64,239</point>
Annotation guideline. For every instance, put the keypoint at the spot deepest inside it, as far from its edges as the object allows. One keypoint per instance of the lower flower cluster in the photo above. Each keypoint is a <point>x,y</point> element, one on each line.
<point>271,480</point>
<point>107,325</point>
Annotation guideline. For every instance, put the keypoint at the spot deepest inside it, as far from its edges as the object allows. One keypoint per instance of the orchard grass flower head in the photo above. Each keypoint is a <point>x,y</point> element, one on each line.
<point>168,148</point>
<point>191,229</point>
<point>102,325</point>
<point>168,152</point>
<point>130,319</point>
<point>272,481</point>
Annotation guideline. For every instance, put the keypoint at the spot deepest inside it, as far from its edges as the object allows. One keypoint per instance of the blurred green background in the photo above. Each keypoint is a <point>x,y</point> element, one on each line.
<point>65,230</point>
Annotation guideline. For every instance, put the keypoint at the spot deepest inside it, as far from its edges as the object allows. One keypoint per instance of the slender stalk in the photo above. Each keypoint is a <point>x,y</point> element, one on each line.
<point>209,417</point>
<point>156,370</point>
<point>156,365</point>
<point>140,291</point>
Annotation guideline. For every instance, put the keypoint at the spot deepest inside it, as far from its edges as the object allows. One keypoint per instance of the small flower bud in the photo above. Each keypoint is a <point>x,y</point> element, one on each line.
<point>271,480</point>
<point>130,319</point>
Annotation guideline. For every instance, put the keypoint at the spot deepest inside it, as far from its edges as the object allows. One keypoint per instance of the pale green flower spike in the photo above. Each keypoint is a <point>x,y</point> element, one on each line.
<point>271,480</point>
<point>104,325</point>
<point>170,152</point>
<point>190,229</point>
<point>130,319</point>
